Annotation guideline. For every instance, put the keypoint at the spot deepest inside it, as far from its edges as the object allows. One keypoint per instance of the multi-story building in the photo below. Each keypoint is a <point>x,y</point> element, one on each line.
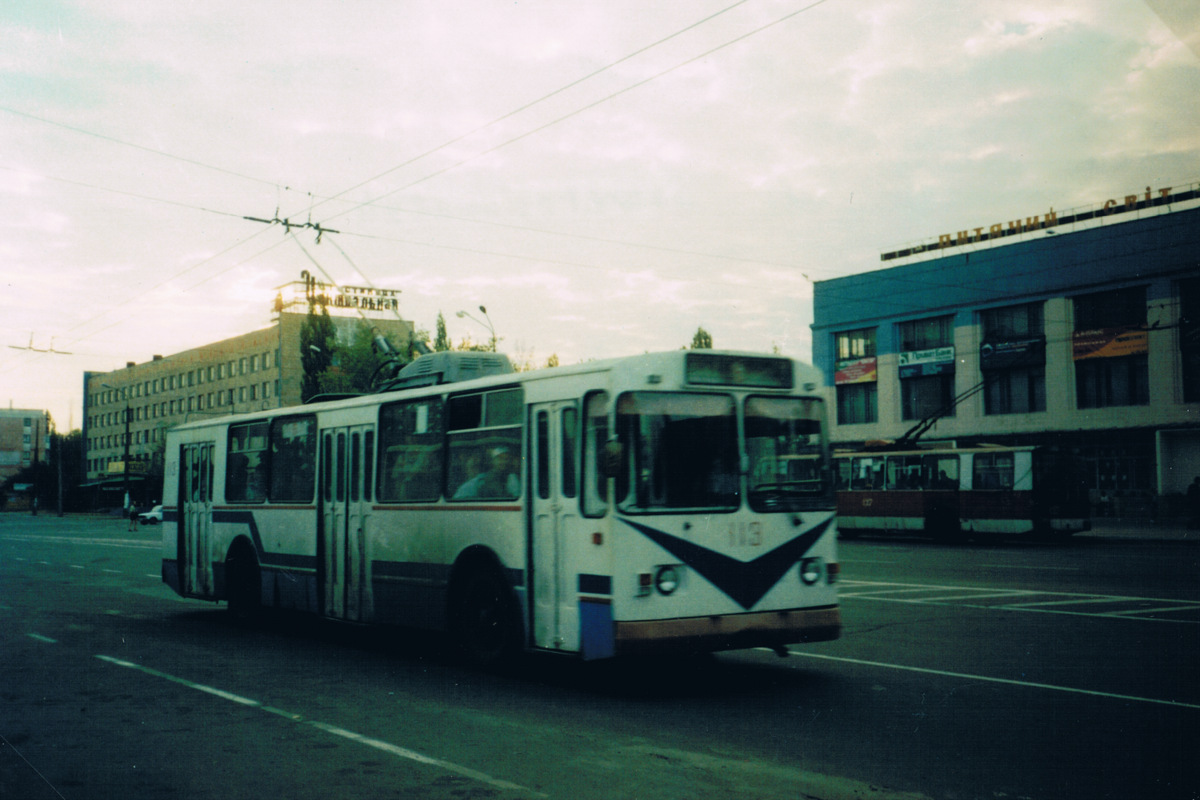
<point>127,412</point>
<point>24,439</point>
<point>1078,329</point>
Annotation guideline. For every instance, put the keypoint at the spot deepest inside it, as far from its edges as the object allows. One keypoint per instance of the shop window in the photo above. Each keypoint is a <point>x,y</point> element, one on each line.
<point>924,334</point>
<point>1189,338</point>
<point>1110,349</point>
<point>856,403</point>
<point>1019,390</point>
<point>1104,382</point>
<point>855,344</point>
<point>926,396</point>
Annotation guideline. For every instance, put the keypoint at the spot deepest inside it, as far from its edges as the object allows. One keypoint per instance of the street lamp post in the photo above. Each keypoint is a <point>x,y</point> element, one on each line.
<point>488,325</point>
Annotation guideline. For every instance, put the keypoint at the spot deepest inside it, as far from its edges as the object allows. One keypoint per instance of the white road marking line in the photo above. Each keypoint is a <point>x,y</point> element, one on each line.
<point>378,744</point>
<point>982,594</point>
<point>41,638</point>
<point>1084,598</point>
<point>988,679</point>
<point>1019,566</point>
<point>134,543</point>
<point>1153,610</point>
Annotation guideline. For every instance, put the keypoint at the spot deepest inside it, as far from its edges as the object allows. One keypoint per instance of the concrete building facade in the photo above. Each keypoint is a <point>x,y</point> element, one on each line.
<point>127,412</point>
<point>24,438</point>
<point>1079,330</point>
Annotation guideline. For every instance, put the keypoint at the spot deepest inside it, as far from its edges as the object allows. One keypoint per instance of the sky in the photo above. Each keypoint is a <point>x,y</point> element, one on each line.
<point>604,177</point>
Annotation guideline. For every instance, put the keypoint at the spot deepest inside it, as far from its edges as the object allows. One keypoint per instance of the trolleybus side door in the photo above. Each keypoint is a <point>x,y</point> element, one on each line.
<point>195,518</point>
<point>346,491</point>
<point>556,525</point>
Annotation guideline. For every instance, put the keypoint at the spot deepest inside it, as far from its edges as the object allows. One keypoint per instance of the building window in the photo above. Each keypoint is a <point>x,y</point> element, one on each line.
<point>1104,382</point>
<point>924,334</point>
<point>1189,338</point>
<point>927,396</point>
<point>1013,359</point>
<point>926,367</point>
<point>855,375</point>
<point>856,403</point>
<point>1110,349</point>
<point>855,344</point>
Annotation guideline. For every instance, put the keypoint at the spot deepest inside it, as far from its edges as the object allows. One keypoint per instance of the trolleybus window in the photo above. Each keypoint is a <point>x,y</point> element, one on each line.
<point>595,436</point>
<point>993,471</point>
<point>484,445</point>
<point>866,473</point>
<point>941,471</point>
<point>245,481</point>
<point>788,466</point>
<point>293,454</point>
<point>570,450</point>
<point>903,472</point>
<point>410,451</point>
<point>681,450</point>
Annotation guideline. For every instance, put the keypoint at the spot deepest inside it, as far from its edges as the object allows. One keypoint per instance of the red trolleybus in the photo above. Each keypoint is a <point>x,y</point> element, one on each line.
<point>680,501</point>
<point>951,492</point>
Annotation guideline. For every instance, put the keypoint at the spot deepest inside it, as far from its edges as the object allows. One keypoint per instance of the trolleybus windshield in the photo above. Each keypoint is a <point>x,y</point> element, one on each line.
<point>789,467</point>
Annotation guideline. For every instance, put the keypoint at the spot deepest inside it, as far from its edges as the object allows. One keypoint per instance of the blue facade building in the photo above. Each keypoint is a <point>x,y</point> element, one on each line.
<point>1081,331</point>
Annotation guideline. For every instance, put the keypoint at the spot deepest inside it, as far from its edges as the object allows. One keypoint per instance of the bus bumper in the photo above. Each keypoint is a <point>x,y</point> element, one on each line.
<point>728,632</point>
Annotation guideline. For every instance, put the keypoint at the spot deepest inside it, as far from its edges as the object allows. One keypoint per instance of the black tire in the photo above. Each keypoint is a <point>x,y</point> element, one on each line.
<point>243,583</point>
<point>484,620</point>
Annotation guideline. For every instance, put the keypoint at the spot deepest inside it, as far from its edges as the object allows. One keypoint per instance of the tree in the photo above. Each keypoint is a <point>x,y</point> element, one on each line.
<point>441,342</point>
<point>356,365</point>
<point>702,340</point>
<point>318,341</point>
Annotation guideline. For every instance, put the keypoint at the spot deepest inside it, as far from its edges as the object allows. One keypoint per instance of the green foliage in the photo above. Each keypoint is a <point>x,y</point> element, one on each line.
<point>318,342</point>
<point>702,340</point>
<point>441,342</point>
<point>355,365</point>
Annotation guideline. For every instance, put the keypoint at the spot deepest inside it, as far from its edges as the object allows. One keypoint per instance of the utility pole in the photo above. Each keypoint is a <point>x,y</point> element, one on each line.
<point>37,427</point>
<point>57,453</point>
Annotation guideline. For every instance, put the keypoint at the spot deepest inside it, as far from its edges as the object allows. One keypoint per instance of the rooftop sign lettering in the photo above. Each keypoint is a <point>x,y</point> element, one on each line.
<point>997,230</point>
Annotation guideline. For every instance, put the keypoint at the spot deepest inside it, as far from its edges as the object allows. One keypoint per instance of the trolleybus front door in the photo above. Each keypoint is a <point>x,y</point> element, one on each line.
<point>347,488</point>
<point>195,519</point>
<point>556,525</point>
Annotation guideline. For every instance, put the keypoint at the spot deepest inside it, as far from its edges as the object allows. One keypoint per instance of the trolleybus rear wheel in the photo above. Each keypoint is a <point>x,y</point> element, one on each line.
<point>484,618</point>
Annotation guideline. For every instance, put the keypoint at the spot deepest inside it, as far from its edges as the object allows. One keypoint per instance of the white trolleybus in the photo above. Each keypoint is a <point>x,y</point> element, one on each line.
<point>672,502</point>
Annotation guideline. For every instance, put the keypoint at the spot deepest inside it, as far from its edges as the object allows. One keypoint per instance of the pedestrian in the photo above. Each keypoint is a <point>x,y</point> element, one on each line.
<point>1193,503</point>
<point>132,516</point>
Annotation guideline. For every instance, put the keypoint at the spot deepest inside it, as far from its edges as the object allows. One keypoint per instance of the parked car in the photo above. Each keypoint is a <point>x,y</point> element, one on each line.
<point>151,517</point>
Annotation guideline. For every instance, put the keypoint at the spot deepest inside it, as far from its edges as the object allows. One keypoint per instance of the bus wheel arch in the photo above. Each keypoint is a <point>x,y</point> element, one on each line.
<point>243,579</point>
<point>482,612</point>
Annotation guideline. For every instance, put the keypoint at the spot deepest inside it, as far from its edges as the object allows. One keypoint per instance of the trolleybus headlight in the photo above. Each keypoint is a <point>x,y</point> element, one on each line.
<point>811,570</point>
<point>666,580</point>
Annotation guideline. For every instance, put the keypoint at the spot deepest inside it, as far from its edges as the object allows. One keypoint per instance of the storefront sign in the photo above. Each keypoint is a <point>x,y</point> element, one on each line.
<point>859,370</point>
<point>920,363</point>
<point>1017,353</point>
<point>1109,343</point>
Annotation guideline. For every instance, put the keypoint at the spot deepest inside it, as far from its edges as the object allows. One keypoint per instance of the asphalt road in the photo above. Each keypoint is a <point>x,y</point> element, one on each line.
<point>1019,671</point>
